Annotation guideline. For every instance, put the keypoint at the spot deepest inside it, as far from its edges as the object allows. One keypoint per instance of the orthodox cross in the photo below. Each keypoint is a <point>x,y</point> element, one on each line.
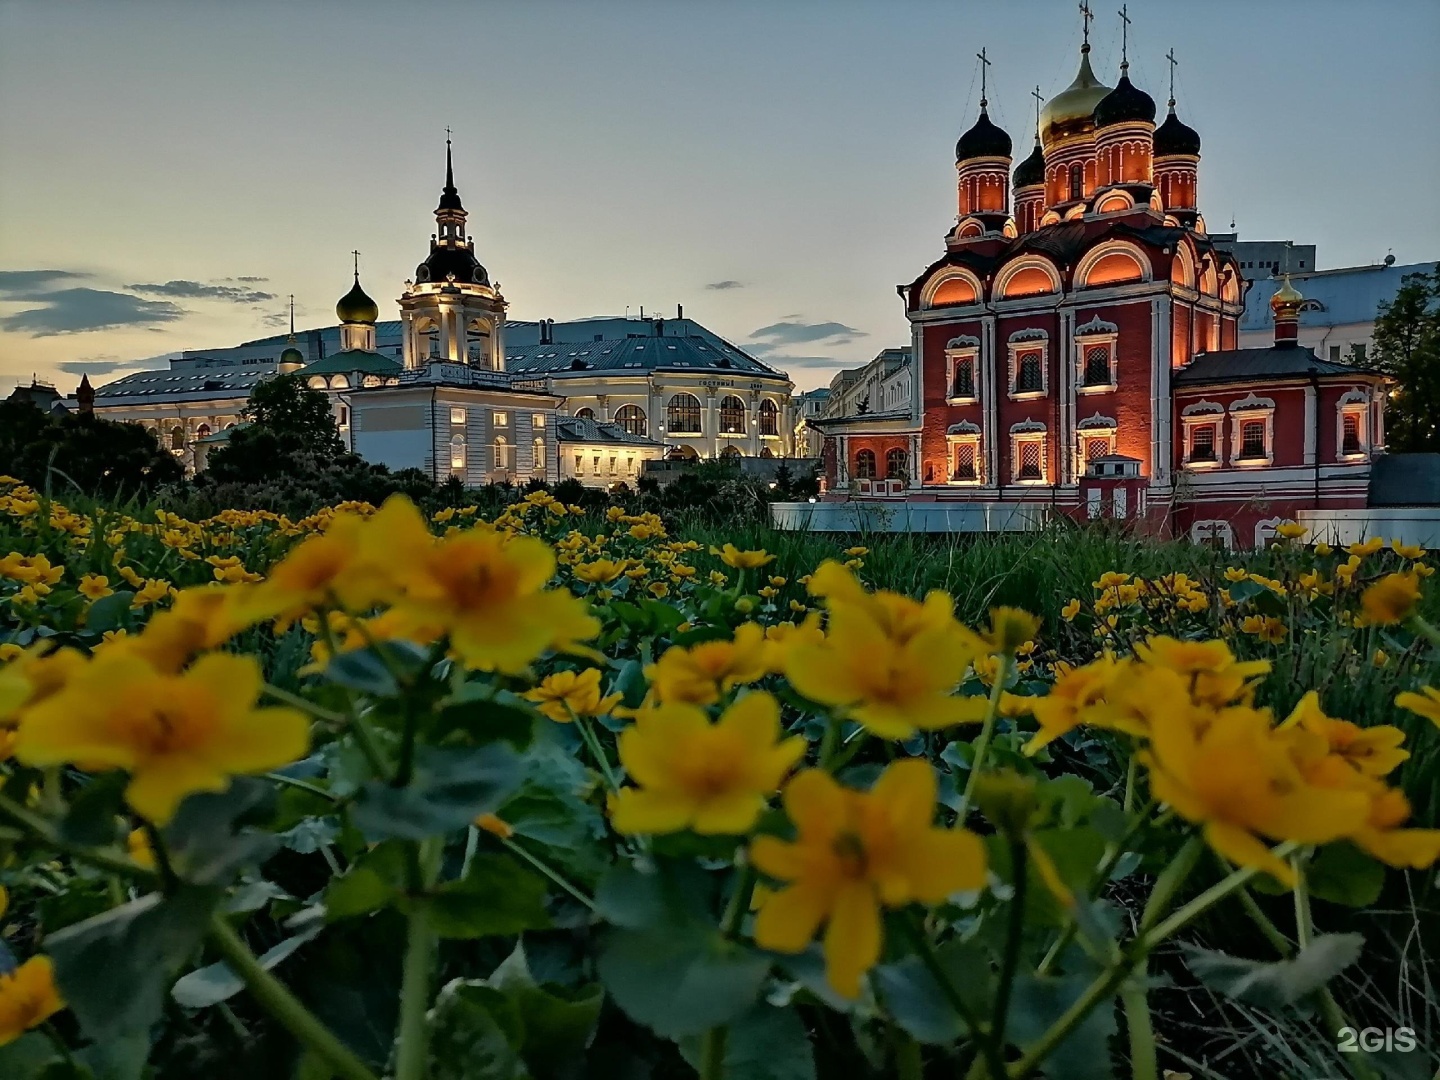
<point>1086,15</point>
<point>447,134</point>
<point>1171,57</point>
<point>1038,99</point>
<point>292,314</point>
<point>1124,36</point>
<point>984,65</point>
<point>357,264</point>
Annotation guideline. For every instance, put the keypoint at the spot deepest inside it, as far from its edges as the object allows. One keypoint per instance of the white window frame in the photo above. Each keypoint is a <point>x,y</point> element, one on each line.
<point>457,416</point>
<point>1028,341</point>
<point>1096,332</point>
<point>1029,431</point>
<point>459,454</point>
<point>1248,410</point>
<point>500,419</point>
<point>960,348</point>
<point>1354,403</point>
<point>1198,415</point>
<point>1094,428</point>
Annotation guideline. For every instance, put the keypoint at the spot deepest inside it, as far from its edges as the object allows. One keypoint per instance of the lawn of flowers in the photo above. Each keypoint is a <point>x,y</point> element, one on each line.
<point>578,792</point>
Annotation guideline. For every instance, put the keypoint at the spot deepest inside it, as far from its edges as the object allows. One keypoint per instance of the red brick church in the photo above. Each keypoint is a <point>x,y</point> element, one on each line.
<point>1076,346</point>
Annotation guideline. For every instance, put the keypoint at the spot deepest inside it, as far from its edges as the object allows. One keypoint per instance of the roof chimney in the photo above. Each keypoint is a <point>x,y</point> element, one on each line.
<point>1286,306</point>
<point>679,311</point>
<point>660,327</point>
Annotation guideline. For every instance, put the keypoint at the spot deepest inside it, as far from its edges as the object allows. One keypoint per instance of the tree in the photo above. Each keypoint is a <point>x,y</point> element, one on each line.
<point>288,430</point>
<point>100,457</point>
<point>1407,348</point>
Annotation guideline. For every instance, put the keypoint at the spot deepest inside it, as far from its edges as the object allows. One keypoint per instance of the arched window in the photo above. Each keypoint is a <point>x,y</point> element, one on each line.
<point>895,464</point>
<point>683,414</point>
<point>1077,181</point>
<point>631,418</point>
<point>1350,434</point>
<point>339,382</point>
<point>477,342</point>
<point>765,451</point>
<point>730,451</point>
<point>370,380</point>
<point>502,453</point>
<point>769,418</point>
<point>316,382</point>
<point>1097,365</point>
<point>177,438</point>
<point>457,452</point>
<point>732,415</point>
<point>203,431</point>
<point>964,382</point>
<point>1029,376</point>
<point>537,456</point>
<point>584,414</point>
<point>429,334</point>
<point>865,465</point>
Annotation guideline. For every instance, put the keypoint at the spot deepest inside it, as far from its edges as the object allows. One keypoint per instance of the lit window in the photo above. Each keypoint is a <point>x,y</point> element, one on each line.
<point>344,417</point>
<point>1029,460</point>
<point>683,414</point>
<point>537,456</point>
<point>502,454</point>
<point>965,462</point>
<point>732,416</point>
<point>895,464</point>
<point>1077,181</point>
<point>457,416</point>
<point>584,414</point>
<point>865,465</point>
<point>501,419</point>
<point>537,421</point>
<point>1202,443</point>
<point>631,418</point>
<point>579,464</point>
<point>457,452</point>
<point>769,418</point>
<point>1252,440</point>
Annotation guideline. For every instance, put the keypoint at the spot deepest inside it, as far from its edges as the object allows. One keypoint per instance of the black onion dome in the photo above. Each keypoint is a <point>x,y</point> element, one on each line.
<point>1031,171</point>
<point>1175,137</point>
<point>1126,102</point>
<point>983,140</point>
<point>444,261</point>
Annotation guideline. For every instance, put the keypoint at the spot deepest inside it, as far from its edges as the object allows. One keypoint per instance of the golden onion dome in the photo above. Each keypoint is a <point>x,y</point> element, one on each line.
<point>1287,298</point>
<point>1072,111</point>
<point>356,307</point>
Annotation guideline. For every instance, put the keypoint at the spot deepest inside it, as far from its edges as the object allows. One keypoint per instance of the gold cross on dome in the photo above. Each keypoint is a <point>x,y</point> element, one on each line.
<point>1086,15</point>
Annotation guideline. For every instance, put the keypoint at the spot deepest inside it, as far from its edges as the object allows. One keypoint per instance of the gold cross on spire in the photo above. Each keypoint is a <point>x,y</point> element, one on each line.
<point>984,68</point>
<point>1039,97</point>
<point>1086,15</point>
<point>1124,14</point>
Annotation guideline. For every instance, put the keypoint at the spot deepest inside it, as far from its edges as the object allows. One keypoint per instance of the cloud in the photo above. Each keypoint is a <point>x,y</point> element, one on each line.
<point>78,310</point>
<point>28,284</point>
<point>106,363</point>
<point>728,283</point>
<point>250,280</point>
<point>197,290</point>
<point>794,332</point>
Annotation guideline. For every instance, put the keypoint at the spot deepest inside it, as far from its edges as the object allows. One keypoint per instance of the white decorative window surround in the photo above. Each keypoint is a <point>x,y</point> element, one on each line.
<point>1027,453</point>
<point>1095,366</point>
<point>1029,366</point>
<point>962,370</point>
<point>1265,531</point>
<point>1204,423</point>
<point>1218,533</point>
<point>1252,432</point>
<point>1352,427</point>
<point>1095,436</point>
<point>966,464</point>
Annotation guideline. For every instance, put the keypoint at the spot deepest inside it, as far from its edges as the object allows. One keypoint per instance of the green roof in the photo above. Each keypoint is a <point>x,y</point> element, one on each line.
<point>342,363</point>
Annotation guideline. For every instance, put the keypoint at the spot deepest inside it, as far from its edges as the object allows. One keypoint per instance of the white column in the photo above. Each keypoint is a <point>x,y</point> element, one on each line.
<point>991,389</point>
<point>1311,435</point>
<point>752,430</point>
<point>446,339</point>
<point>710,424</point>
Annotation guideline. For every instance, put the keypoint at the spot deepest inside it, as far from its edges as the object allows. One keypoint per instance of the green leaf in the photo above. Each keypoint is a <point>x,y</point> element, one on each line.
<point>206,837</point>
<point>475,1033</point>
<point>484,720</point>
<point>1281,982</point>
<point>668,894</point>
<point>915,1001</point>
<point>764,1043</point>
<point>362,670</point>
<point>558,1022</point>
<point>1242,591</point>
<point>450,789</point>
<point>214,983</point>
<point>109,613</point>
<point>1037,1001</point>
<point>114,970</point>
<point>370,884</point>
<point>1343,874</point>
<point>93,812</point>
<point>27,1057</point>
<point>680,981</point>
<point>498,896</point>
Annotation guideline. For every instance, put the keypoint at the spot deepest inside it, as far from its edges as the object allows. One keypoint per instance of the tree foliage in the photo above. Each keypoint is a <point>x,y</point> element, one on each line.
<point>289,430</point>
<point>1407,348</point>
<point>100,457</point>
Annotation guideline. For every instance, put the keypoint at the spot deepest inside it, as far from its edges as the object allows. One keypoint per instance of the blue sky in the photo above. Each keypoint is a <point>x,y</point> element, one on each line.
<point>173,170</point>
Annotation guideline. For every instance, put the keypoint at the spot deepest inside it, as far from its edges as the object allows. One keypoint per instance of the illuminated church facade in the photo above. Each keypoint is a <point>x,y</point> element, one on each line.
<point>1076,347</point>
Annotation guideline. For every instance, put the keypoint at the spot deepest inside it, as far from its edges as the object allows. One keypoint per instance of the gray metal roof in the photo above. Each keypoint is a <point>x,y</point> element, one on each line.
<point>1268,363</point>
<point>1333,297</point>
<point>581,429</point>
<point>637,354</point>
<point>1405,480</point>
<point>198,384</point>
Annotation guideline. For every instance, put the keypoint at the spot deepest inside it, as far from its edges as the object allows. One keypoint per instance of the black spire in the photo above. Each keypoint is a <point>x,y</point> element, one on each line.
<point>449,198</point>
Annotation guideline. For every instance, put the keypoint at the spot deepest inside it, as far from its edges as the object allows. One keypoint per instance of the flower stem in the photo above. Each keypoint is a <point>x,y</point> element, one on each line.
<point>549,871</point>
<point>994,1059</point>
<point>1143,1064</point>
<point>712,1046</point>
<point>412,1039</point>
<point>596,751</point>
<point>44,831</point>
<point>1014,937</point>
<point>987,732</point>
<point>1425,630</point>
<point>277,1000</point>
<point>304,705</point>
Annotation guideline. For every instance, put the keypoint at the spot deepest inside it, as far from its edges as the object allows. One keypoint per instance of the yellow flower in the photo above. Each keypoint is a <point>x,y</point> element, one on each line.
<point>152,592</point>
<point>1382,836</point>
<point>203,617</point>
<point>95,587</point>
<point>567,694</point>
<point>1070,610</point>
<point>130,577</point>
<point>1425,703</point>
<point>1110,579</point>
<point>27,998</point>
<point>766,592</point>
<point>1291,530</point>
<point>717,579</point>
<point>495,826</point>
<point>712,778</point>
<point>658,589</point>
<point>1380,658</point>
<point>1010,630</point>
<point>10,651</point>
<point>140,849</point>
<point>1238,782</point>
<point>1216,678</point>
<point>1236,573</point>
<point>1369,547</point>
<point>888,661</point>
<point>1390,600</point>
<point>855,852</point>
<point>857,552</point>
<point>730,555</point>
<point>700,674</point>
<point>1265,627</point>
<point>601,570</point>
<point>1322,549</point>
<point>1423,569</point>
<point>1374,752</point>
<point>782,637</point>
<point>777,582</point>
<point>1407,551</point>
<point>487,589</point>
<point>175,734</point>
<point>1075,691</point>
